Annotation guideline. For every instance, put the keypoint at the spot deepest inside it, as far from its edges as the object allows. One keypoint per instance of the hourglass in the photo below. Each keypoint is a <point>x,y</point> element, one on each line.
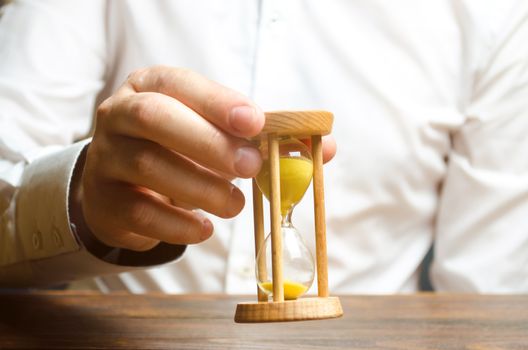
<point>284,265</point>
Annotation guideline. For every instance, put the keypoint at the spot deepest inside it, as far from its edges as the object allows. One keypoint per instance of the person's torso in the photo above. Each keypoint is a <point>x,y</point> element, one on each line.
<point>395,75</point>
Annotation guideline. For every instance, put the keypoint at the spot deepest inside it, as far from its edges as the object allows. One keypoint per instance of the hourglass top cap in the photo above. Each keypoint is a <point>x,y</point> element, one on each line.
<point>297,123</point>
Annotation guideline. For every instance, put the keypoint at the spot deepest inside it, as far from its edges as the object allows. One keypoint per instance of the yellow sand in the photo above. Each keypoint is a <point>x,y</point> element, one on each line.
<point>292,290</point>
<point>295,177</point>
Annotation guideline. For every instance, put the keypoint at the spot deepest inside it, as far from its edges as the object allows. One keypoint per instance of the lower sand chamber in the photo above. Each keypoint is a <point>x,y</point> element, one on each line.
<point>292,290</point>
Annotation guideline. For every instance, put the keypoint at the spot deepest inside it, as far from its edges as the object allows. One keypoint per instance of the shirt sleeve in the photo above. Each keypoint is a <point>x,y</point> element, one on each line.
<point>52,67</point>
<point>481,240</point>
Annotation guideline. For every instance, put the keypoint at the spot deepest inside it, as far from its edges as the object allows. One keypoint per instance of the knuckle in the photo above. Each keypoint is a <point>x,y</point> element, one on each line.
<point>144,111</point>
<point>162,82</point>
<point>161,76</point>
<point>103,111</point>
<point>208,192</point>
<point>188,233</point>
<point>140,111</point>
<point>105,107</point>
<point>143,161</point>
<point>217,197</point>
<point>141,214</point>
<point>211,144</point>
<point>164,78</point>
<point>136,76</point>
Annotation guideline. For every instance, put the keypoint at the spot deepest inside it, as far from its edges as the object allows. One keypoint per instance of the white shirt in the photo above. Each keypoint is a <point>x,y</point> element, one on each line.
<point>431,116</point>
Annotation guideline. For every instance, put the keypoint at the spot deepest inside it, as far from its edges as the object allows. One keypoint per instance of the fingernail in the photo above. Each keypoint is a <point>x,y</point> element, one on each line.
<point>242,119</point>
<point>247,161</point>
<point>207,228</point>
<point>236,202</point>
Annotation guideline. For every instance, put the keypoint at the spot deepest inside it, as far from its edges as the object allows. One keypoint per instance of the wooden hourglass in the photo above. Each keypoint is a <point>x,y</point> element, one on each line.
<point>285,156</point>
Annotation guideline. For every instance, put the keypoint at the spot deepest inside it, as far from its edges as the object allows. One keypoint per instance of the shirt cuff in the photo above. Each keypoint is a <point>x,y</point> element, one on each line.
<point>49,251</point>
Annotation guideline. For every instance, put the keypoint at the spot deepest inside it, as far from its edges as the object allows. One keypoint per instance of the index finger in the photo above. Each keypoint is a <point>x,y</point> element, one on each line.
<point>224,107</point>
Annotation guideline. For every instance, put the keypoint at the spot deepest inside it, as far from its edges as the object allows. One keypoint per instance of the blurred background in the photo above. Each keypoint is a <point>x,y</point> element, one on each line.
<point>2,3</point>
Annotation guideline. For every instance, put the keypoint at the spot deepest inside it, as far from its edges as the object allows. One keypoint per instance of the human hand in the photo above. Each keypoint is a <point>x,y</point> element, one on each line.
<point>167,142</point>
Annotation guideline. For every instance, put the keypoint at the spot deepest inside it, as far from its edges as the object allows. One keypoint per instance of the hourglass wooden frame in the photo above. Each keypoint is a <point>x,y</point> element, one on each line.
<point>301,125</point>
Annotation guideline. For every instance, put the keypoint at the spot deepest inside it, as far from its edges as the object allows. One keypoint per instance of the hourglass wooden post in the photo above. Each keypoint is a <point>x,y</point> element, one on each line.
<point>301,125</point>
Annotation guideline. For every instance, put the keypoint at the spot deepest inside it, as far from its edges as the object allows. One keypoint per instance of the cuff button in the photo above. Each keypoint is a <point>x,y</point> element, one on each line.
<point>36,240</point>
<point>57,238</point>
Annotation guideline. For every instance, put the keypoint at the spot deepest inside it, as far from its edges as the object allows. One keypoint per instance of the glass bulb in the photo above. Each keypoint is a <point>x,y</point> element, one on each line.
<point>296,169</point>
<point>297,263</point>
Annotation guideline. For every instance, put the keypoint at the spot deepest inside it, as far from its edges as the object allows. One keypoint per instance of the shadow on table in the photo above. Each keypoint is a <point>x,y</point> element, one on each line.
<point>37,321</point>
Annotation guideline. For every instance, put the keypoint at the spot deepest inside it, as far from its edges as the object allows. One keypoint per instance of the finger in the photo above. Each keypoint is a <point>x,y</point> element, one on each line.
<point>129,209</point>
<point>165,120</point>
<point>149,165</point>
<point>329,148</point>
<point>129,240</point>
<point>226,108</point>
<point>181,204</point>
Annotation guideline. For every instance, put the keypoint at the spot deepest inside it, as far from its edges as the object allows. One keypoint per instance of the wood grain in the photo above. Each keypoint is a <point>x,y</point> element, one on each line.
<point>258,229</point>
<point>275,217</point>
<point>62,320</point>
<point>289,310</point>
<point>319,217</point>
<point>297,124</point>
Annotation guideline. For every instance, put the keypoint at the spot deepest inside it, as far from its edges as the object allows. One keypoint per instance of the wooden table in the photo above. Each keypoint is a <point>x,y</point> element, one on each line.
<point>425,321</point>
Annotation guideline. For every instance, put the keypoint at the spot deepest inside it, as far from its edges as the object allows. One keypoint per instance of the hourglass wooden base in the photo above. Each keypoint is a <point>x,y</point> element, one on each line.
<point>302,309</point>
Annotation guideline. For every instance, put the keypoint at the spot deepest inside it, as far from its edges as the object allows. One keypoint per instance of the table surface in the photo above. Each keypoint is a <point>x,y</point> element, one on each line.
<point>155,321</point>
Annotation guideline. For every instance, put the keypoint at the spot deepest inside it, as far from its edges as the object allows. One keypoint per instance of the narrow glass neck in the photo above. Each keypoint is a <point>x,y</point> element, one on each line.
<point>286,219</point>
